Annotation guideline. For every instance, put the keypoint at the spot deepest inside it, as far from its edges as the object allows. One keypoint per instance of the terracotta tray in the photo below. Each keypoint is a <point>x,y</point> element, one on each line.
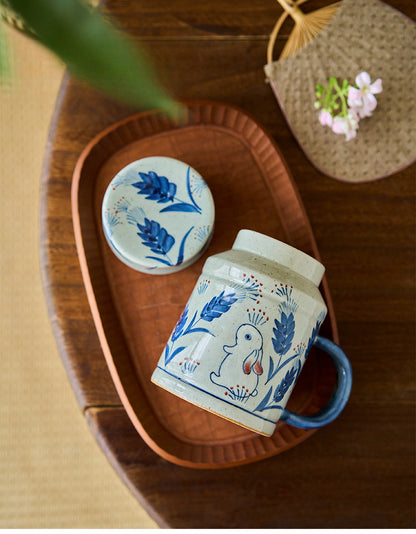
<point>134,313</point>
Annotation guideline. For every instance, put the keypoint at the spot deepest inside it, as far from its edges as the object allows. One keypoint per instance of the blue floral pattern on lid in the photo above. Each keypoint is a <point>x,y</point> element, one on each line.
<point>158,215</point>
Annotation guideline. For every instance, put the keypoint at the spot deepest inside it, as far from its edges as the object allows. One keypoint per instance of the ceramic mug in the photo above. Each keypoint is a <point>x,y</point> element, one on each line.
<point>245,333</point>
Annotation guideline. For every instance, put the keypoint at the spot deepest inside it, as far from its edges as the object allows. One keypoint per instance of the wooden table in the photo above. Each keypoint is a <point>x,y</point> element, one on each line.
<point>359,471</point>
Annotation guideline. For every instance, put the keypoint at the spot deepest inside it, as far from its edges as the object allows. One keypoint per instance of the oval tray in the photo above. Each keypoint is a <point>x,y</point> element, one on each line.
<point>134,313</point>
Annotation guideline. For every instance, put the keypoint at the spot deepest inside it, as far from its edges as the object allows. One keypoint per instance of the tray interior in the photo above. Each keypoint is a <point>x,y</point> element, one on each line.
<point>135,313</point>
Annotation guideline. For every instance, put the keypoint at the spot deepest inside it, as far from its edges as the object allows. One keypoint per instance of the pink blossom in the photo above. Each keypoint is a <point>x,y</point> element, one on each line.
<point>362,99</point>
<point>346,125</point>
<point>325,117</point>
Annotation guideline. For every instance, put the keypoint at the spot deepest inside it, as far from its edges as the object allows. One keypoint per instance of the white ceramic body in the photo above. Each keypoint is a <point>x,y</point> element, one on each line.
<point>244,335</point>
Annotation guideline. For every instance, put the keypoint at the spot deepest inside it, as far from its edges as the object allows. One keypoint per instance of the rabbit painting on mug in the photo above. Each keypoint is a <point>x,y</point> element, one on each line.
<point>239,371</point>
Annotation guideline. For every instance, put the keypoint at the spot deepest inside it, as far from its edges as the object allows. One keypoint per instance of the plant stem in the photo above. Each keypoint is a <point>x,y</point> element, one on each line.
<point>340,93</point>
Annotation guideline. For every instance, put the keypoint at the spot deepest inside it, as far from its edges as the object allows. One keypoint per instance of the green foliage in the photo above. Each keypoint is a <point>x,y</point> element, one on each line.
<point>333,97</point>
<point>95,51</point>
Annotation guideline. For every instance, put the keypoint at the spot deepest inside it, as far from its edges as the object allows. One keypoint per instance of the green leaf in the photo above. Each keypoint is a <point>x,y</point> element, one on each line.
<point>96,51</point>
<point>5,63</point>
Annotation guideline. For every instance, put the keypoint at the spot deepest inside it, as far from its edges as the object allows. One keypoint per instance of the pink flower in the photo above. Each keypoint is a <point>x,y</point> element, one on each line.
<point>362,99</point>
<point>325,118</point>
<point>346,125</point>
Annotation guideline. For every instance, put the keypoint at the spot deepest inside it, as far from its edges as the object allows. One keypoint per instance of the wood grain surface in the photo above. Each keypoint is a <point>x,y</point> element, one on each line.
<point>359,472</point>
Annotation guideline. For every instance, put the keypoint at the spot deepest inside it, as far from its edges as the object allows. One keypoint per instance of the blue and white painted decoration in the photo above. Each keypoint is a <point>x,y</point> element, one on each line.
<point>245,333</point>
<point>158,215</point>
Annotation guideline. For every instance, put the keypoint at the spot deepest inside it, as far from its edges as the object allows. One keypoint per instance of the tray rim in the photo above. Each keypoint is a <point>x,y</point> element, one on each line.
<point>88,285</point>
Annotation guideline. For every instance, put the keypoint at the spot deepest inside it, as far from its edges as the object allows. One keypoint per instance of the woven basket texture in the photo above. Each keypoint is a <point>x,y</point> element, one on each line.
<point>364,35</point>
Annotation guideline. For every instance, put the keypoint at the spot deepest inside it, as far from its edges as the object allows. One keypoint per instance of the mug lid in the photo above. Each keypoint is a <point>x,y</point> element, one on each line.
<point>158,215</point>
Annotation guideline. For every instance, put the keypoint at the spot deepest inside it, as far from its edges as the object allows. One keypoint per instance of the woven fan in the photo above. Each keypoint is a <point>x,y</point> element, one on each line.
<point>307,26</point>
<point>342,40</point>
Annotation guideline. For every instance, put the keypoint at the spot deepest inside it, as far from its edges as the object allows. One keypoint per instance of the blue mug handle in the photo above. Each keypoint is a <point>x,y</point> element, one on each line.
<point>339,396</point>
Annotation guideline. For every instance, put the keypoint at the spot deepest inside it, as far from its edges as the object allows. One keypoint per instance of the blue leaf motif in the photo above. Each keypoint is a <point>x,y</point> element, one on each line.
<point>280,392</point>
<point>314,333</point>
<point>181,206</point>
<point>160,260</point>
<point>212,310</point>
<point>162,190</point>
<point>199,329</point>
<point>169,357</point>
<point>263,403</point>
<point>156,187</point>
<point>191,328</point>
<point>271,372</point>
<point>284,332</point>
<point>217,306</point>
<point>285,384</point>
<point>181,252</point>
<point>155,237</point>
<point>177,332</point>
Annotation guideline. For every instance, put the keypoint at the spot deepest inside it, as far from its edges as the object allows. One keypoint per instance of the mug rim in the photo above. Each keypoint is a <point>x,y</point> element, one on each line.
<point>192,393</point>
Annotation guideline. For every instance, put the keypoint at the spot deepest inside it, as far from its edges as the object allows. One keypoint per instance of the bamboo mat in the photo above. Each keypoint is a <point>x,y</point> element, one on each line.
<point>52,472</point>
